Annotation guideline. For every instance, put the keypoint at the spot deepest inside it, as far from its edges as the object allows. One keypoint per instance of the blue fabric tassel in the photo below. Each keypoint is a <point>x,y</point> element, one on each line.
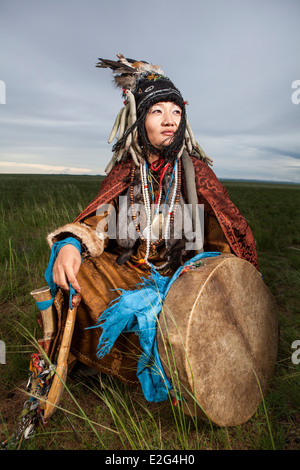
<point>137,311</point>
<point>49,272</point>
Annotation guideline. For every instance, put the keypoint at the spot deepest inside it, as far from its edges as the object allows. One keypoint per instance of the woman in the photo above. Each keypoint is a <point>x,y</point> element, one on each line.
<point>156,165</point>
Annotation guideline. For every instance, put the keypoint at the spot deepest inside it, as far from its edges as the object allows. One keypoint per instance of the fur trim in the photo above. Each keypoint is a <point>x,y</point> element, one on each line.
<point>92,244</point>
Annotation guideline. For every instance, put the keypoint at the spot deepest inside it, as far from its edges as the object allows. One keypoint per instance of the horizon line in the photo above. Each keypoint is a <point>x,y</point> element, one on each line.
<point>249,180</point>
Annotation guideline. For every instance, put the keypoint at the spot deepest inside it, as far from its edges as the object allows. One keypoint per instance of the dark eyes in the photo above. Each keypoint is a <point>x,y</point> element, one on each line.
<point>176,111</point>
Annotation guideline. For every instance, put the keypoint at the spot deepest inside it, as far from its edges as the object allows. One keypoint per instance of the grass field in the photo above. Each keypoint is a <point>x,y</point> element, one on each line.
<point>114,416</point>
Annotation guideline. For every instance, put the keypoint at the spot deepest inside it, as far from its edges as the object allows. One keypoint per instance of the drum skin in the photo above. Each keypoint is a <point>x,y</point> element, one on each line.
<point>217,338</point>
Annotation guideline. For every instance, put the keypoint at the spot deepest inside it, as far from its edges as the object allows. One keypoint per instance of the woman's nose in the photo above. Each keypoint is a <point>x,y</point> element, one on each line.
<point>168,120</point>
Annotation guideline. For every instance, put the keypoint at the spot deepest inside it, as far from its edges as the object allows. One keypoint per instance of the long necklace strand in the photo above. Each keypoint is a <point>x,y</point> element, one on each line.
<point>167,224</point>
<point>148,210</point>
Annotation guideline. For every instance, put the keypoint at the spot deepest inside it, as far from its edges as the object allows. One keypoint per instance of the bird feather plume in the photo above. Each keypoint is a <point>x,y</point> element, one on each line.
<point>126,71</point>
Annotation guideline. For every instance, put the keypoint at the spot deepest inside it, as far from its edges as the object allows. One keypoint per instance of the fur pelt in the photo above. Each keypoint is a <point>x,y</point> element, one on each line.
<point>92,245</point>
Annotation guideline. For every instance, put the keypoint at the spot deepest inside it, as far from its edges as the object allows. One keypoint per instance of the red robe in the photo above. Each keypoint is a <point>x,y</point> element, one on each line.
<point>210,192</point>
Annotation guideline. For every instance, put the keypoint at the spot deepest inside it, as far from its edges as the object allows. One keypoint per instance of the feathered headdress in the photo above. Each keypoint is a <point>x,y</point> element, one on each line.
<point>142,83</point>
<point>127,71</point>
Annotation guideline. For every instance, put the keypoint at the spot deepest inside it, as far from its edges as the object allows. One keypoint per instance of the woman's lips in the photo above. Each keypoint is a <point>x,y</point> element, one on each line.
<point>168,133</point>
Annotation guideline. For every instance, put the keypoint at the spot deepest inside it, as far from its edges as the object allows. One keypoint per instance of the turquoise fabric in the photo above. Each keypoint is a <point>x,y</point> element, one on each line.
<point>137,311</point>
<point>49,271</point>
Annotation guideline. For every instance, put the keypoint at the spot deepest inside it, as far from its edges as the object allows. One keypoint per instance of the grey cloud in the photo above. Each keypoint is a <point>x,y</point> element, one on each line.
<point>233,61</point>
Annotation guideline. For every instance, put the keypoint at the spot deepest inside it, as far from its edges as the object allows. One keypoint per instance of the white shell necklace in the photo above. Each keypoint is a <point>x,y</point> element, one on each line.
<point>157,219</point>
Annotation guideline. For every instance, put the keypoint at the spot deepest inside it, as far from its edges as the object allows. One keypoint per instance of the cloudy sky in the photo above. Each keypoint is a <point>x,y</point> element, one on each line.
<point>234,61</point>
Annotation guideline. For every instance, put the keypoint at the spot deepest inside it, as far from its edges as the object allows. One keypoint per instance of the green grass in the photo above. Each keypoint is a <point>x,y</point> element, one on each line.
<point>107,414</point>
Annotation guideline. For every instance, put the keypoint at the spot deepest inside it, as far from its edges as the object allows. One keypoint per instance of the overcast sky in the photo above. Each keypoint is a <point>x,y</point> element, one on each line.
<point>233,60</point>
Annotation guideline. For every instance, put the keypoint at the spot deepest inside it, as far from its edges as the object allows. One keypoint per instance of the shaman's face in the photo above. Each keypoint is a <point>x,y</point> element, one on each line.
<point>162,122</point>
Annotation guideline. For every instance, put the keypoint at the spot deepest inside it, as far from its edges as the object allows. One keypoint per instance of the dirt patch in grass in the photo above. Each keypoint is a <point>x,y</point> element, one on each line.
<point>11,405</point>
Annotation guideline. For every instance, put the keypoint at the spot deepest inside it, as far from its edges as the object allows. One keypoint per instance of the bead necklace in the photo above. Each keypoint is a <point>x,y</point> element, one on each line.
<point>147,204</point>
<point>158,219</point>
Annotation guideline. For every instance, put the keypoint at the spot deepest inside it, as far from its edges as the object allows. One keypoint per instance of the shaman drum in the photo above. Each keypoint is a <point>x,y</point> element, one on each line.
<point>217,338</point>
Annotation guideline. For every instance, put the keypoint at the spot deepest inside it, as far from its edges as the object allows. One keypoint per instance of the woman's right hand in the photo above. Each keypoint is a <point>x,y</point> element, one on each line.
<point>66,267</point>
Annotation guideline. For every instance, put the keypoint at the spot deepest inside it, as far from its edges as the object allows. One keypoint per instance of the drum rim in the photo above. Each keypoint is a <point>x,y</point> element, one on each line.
<point>217,263</point>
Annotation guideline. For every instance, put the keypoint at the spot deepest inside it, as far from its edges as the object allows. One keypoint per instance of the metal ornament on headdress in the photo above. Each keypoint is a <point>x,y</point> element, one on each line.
<point>126,74</point>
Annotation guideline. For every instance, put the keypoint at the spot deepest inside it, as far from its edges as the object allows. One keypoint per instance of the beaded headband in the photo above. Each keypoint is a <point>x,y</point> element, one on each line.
<point>152,86</point>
